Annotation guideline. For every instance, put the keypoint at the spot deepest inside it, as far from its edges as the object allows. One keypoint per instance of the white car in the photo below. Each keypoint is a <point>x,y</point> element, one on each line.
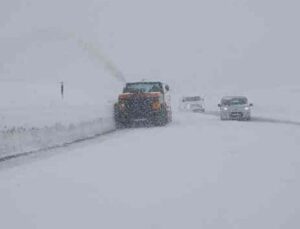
<point>235,108</point>
<point>192,103</point>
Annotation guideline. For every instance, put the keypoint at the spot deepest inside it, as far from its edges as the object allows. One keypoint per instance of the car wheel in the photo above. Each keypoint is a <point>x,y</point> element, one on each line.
<point>170,117</point>
<point>222,118</point>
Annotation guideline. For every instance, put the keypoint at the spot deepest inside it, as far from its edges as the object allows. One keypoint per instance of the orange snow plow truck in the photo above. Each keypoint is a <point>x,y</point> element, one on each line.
<point>143,102</point>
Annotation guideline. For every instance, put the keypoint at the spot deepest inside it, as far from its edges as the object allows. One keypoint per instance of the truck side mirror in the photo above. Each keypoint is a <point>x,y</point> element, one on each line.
<point>251,104</point>
<point>219,105</point>
<point>167,88</point>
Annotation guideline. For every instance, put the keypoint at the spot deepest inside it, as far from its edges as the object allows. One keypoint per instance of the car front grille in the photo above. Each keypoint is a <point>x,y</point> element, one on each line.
<point>236,114</point>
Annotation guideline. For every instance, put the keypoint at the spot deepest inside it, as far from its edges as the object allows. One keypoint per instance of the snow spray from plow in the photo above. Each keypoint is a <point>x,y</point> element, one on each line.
<point>90,48</point>
<point>95,52</point>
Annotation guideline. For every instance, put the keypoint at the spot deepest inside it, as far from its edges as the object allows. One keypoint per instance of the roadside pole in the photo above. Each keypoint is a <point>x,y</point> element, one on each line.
<point>62,89</point>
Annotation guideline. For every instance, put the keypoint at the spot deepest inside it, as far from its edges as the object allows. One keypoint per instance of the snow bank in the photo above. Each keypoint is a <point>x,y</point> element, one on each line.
<point>33,116</point>
<point>35,58</point>
<point>21,140</point>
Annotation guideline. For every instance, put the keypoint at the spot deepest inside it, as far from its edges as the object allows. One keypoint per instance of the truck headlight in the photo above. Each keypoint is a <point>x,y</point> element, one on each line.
<point>122,106</point>
<point>156,105</point>
<point>247,108</point>
<point>225,108</point>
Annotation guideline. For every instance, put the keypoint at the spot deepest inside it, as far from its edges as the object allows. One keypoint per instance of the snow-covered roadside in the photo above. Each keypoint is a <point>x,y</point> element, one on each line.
<point>20,140</point>
<point>37,118</point>
<point>33,114</point>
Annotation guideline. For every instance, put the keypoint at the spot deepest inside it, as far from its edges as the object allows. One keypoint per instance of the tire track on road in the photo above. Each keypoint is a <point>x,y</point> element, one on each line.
<point>261,119</point>
<point>59,146</point>
<point>275,121</point>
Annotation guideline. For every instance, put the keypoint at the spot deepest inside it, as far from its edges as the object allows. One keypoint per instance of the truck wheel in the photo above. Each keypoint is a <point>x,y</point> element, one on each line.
<point>163,119</point>
<point>120,124</point>
<point>170,117</point>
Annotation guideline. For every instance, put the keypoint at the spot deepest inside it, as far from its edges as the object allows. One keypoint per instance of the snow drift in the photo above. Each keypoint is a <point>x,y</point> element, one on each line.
<point>20,140</point>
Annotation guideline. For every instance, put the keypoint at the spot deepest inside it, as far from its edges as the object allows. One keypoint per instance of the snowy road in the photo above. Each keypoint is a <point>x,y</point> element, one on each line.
<point>197,172</point>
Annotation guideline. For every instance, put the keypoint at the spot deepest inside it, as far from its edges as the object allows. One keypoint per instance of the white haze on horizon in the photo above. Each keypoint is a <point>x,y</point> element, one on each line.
<point>188,43</point>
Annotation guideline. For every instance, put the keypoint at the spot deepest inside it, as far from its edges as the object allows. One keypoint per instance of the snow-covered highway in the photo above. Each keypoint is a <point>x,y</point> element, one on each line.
<point>197,172</point>
<point>63,65</point>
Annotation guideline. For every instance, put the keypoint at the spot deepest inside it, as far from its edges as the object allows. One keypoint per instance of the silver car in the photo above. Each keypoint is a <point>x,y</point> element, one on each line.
<point>235,108</point>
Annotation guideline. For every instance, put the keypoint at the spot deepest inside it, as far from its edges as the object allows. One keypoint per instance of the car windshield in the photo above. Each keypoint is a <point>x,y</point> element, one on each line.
<point>191,99</point>
<point>142,87</point>
<point>234,101</point>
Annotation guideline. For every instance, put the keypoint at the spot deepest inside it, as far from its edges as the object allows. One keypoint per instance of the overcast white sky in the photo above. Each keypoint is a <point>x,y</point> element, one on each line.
<point>215,42</point>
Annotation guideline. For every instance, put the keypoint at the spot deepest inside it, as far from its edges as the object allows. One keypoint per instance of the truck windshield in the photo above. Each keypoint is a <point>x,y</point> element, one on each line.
<point>142,87</point>
<point>234,101</point>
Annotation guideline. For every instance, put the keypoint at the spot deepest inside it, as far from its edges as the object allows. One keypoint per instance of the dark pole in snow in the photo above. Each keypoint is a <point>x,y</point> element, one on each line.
<point>62,89</point>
